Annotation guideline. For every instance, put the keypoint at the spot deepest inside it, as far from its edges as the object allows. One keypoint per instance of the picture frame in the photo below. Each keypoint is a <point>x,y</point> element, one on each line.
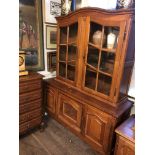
<point>51,61</point>
<point>52,8</point>
<point>31,33</point>
<point>51,33</point>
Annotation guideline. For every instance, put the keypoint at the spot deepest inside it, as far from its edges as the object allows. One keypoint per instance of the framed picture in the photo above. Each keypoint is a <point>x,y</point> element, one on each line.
<point>31,33</point>
<point>51,61</point>
<point>51,32</point>
<point>52,8</point>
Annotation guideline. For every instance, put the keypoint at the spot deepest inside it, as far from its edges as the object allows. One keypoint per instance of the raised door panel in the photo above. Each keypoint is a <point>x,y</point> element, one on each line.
<point>51,100</point>
<point>97,127</point>
<point>70,112</point>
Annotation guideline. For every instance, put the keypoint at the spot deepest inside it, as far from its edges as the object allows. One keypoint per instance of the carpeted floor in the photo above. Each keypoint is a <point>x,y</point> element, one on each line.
<point>55,140</point>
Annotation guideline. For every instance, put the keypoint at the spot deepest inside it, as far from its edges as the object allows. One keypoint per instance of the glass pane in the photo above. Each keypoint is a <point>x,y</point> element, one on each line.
<point>73,29</point>
<point>90,79</point>
<point>62,69</point>
<point>92,56</point>
<point>107,62</point>
<point>71,71</point>
<point>104,84</point>
<point>63,35</point>
<point>71,52</point>
<point>95,33</point>
<point>111,37</point>
<point>62,53</point>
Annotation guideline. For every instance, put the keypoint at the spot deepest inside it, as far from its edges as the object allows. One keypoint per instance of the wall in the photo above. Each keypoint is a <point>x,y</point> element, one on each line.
<point>47,20</point>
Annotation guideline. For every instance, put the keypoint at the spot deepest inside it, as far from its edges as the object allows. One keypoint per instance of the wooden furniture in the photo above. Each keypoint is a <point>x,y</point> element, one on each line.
<point>88,94</point>
<point>30,101</point>
<point>125,144</point>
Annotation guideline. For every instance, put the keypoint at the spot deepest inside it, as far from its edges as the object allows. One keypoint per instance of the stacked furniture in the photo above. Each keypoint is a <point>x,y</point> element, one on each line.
<point>89,93</point>
<point>30,102</point>
<point>125,143</point>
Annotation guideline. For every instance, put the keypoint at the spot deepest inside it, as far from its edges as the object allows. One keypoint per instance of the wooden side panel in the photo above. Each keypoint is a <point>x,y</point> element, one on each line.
<point>129,62</point>
<point>51,100</point>
<point>70,112</point>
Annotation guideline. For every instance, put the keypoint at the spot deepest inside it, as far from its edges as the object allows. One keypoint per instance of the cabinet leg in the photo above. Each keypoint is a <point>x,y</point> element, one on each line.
<point>43,124</point>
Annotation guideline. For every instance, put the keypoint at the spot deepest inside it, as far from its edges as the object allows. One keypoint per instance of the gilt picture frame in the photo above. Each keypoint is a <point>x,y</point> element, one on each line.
<point>51,33</point>
<point>31,33</point>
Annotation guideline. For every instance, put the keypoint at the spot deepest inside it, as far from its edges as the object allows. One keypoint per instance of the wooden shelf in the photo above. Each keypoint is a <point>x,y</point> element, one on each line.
<point>93,69</point>
<point>94,46</point>
<point>73,43</point>
<point>109,50</point>
<point>63,44</point>
<point>71,61</point>
<point>62,61</point>
<point>105,73</point>
<point>102,49</point>
<point>72,65</point>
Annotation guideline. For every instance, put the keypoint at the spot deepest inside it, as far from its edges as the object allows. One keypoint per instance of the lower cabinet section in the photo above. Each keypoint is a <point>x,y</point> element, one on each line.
<point>70,112</point>
<point>97,127</point>
<point>124,147</point>
<point>94,126</point>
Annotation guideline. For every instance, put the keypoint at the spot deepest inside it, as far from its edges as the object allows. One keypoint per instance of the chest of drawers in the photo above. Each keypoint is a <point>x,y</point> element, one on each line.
<point>125,143</point>
<point>30,102</point>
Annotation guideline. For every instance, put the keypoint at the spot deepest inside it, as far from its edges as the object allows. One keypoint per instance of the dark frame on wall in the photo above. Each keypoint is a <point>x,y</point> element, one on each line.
<point>51,61</point>
<point>31,33</point>
<point>51,32</point>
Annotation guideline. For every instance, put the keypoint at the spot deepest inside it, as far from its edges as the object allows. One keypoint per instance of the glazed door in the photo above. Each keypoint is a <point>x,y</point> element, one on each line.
<point>67,51</point>
<point>102,54</point>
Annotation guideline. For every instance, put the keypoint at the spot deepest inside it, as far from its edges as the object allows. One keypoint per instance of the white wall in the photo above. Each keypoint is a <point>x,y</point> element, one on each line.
<point>47,21</point>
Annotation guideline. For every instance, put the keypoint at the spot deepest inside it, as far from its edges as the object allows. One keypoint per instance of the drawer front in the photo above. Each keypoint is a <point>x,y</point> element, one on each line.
<point>29,86</point>
<point>29,116</point>
<point>27,97</point>
<point>29,125</point>
<point>70,112</point>
<point>30,106</point>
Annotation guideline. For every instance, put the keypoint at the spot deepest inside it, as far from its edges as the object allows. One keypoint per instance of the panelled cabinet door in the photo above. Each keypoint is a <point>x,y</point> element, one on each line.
<point>67,51</point>
<point>103,49</point>
<point>97,128</point>
<point>51,100</point>
<point>69,111</point>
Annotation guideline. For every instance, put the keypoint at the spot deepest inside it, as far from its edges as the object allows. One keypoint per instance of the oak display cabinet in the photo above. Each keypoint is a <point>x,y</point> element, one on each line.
<point>89,93</point>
